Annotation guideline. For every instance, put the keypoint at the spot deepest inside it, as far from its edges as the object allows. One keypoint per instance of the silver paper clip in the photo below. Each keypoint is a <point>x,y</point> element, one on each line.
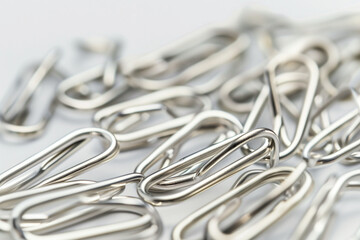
<point>271,91</point>
<point>119,118</point>
<point>293,185</point>
<point>15,113</point>
<point>195,166</point>
<point>344,147</point>
<point>29,172</point>
<point>98,199</point>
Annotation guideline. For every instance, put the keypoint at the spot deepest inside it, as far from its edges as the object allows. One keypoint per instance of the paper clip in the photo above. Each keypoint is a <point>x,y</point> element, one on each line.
<point>344,147</point>
<point>193,167</point>
<point>99,199</point>
<point>313,224</point>
<point>28,173</point>
<point>293,186</point>
<point>120,117</point>
<point>303,121</point>
<point>15,113</point>
<point>76,93</point>
<point>204,52</point>
<point>271,91</point>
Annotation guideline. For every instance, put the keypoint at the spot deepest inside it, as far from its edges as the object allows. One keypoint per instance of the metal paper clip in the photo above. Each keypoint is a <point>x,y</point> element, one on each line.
<point>28,173</point>
<point>188,59</point>
<point>120,117</point>
<point>316,158</point>
<point>197,164</point>
<point>316,219</point>
<point>293,185</point>
<point>271,91</point>
<point>76,92</point>
<point>17,110</point>
<point>99,199</point>
<point>303,121</point>
<point>286,83</point>
<point>344,146</point>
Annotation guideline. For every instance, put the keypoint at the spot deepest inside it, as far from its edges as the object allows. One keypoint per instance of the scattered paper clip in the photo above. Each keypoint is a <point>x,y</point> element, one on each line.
<point>293,185</point>
<point>29,172</point>
<point>17,110</point>
<point>120,117</point>
<point>99,199</point>
<point>199,163</point>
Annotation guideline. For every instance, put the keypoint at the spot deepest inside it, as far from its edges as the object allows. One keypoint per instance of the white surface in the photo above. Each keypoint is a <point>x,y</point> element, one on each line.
<point>30,28</point>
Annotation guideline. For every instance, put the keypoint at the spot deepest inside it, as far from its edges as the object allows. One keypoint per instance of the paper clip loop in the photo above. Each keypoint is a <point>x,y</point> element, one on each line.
<point>344,147</point>
<point>28,173</point>
<point>194,166</point>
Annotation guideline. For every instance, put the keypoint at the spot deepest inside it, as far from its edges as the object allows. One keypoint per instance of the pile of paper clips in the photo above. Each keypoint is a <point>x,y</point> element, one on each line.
<point>305,77</point>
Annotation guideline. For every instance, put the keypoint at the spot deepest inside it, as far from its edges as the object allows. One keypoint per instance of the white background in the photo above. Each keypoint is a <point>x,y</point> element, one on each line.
<point>28,29</point>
